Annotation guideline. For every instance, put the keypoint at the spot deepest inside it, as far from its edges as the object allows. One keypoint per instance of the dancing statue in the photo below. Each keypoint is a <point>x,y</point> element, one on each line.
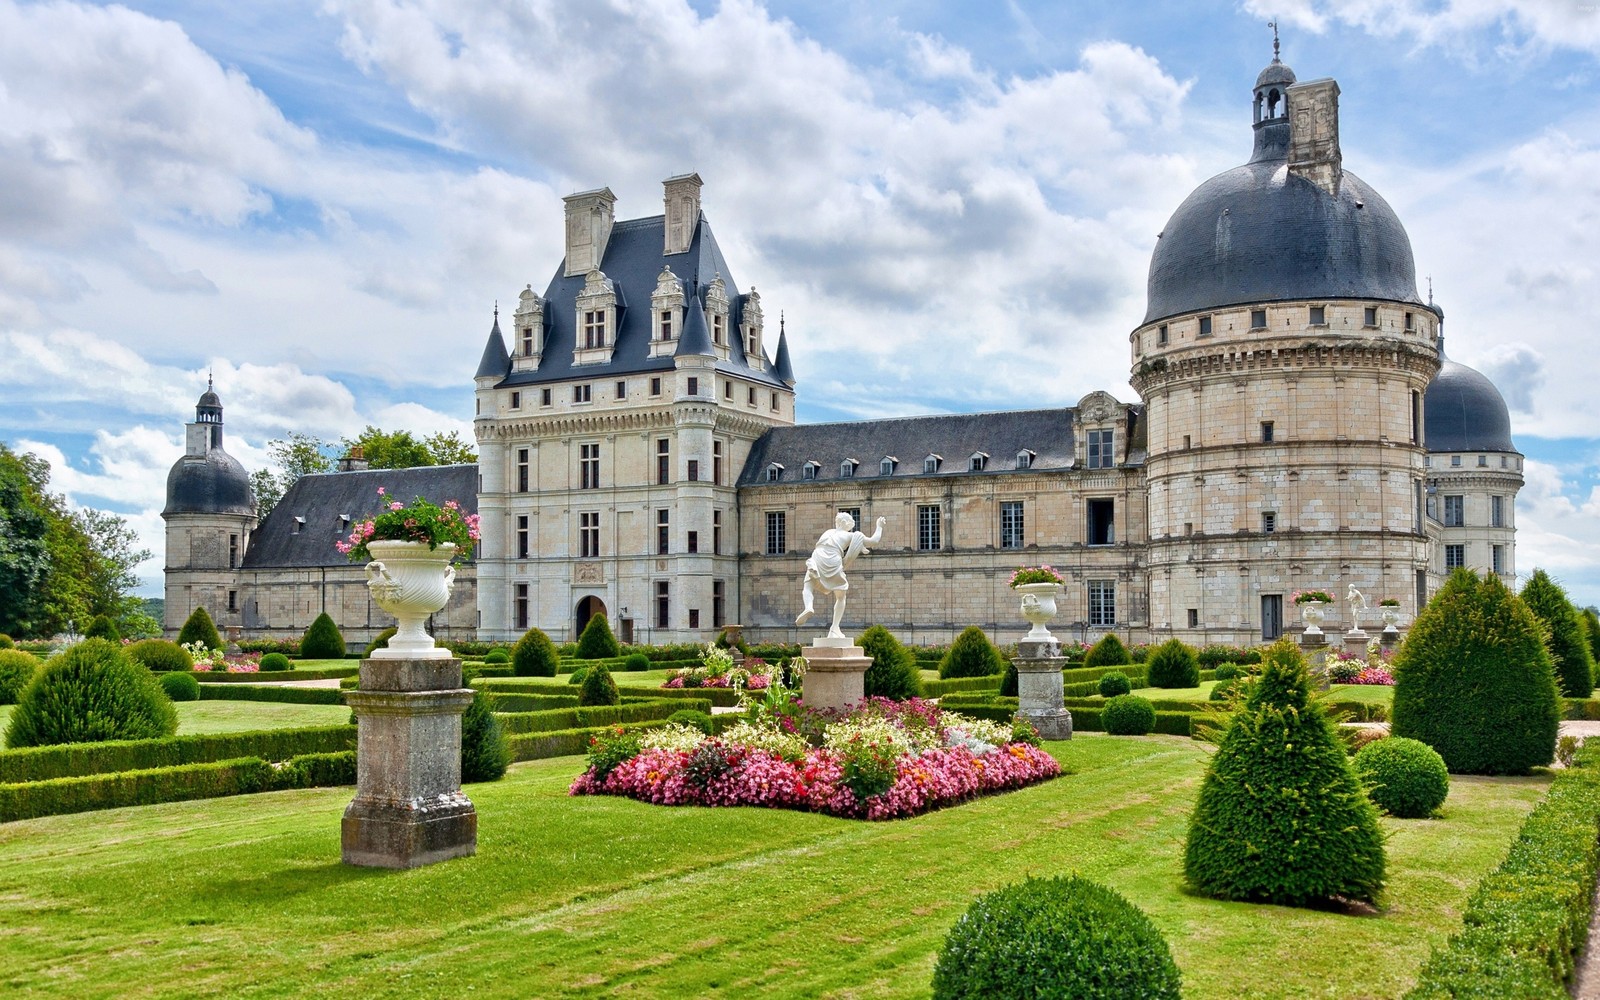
<point>1356,599</point>
<point>835,551</point>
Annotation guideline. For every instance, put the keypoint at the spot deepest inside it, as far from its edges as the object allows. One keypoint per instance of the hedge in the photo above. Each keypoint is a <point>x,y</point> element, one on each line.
<point>1527,919</point>
<point>1087,719</point>
<point>1580,708</point>
<point>562,742</point>
<point>67,760</point>
<point>939,688</point>
<point>269,692</point>
<point>598,715</point>
<point>255,676</point>
<point>503,703</point>
<point>721,697</point>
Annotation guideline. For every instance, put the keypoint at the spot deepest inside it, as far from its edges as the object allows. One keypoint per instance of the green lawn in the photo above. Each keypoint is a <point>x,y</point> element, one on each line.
<point>195,717</point>
<point>245,897</point>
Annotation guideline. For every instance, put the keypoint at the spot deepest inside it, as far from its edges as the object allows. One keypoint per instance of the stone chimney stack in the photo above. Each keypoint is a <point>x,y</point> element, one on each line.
<point>683,211</point>
<point>589,218</point>
<point>1314,134</point>
<point>354,460</point>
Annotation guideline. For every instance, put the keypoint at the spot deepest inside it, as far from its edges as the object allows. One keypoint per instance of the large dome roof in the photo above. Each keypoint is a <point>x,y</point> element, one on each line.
<point>1463,411</point>
<point>213,483</point>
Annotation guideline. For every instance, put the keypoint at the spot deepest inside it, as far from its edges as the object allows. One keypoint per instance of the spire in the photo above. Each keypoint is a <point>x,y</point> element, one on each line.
<point>780,364</point>
<point>1274,26</point>
<point>1270,105</point>
<point>696,338</point>
<point>496,360</point>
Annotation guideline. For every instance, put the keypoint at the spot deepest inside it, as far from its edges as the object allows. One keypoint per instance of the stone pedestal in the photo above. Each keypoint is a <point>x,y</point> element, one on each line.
<point>1389,638</point>
<point>1355,643</point>
<point>409,810</point>
<point>1317,664</point>
<point>1039,701</point>
<point>835,675</point>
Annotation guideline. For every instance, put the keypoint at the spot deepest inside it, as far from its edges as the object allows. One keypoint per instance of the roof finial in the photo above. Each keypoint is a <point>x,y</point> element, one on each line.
<point>209,372</point>
<point>780,322</point>
<point>1430,289</point>
<point>497,310</point>
<point>1274,26</point>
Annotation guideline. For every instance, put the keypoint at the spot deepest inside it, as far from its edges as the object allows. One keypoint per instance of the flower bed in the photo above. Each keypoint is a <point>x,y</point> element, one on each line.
<point>717,670</point>
<point>1344,668</point>
<point>883,761</point>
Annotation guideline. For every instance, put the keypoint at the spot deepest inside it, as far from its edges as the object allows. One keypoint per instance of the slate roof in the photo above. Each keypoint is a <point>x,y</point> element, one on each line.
<point>1463,411</point>
<point>213,483</point>
<point>632,261</point>
<point>320,500</point>
<point>1049,434</point>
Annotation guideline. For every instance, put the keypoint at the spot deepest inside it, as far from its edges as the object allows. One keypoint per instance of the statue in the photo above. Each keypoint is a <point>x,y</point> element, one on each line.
<point>1356,599</point>
<point>835,551</point>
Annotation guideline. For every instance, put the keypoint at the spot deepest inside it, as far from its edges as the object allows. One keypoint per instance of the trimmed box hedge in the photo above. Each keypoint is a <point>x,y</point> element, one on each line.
<point>563,742</point>
<point>67,760</point>
<point>1086,718</point>
<point>721,697</point>
<point>256,677</point>
<point>938,688</point>
<point>504,703</point>
<point>269,692</point>
<point>596,716</point>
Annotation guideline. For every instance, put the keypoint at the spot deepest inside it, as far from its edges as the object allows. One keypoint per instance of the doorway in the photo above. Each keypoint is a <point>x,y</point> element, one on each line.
<point>1271,616</point>
<point>587,609</point>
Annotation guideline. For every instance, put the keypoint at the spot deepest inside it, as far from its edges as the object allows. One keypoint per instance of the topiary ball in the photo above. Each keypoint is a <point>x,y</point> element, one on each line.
<point>534,655</point>
<point>160,655</point>
<point>636,662</point>
<point>497,656</point>
<point>1128,715</point>
<point>1172,665</point>
<point>1114,683</point>
<point>1404,777</point>
<point>598,688</point>
<point>17,670</point>
<point>274,661</point>
<point>1224,690</point>
<point>103,628</point>
<point>1108,652</point>
<point>180,687</point>
<point>88,692</point>
<point>6,642</point>
<point>1066,938</point>
<point>1227,671</point>
<point>692,717</point>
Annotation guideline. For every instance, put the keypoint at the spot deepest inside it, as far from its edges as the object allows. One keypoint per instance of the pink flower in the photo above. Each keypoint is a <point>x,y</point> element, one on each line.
<point>396,505</point>
<point>380,491</point>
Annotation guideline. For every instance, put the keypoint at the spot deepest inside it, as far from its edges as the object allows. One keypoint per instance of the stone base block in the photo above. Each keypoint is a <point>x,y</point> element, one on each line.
<point>379,834</point>
<point>1355,642</point>
<point>1039,689</point>
<point>835,675</point>
<point>1053,724</point>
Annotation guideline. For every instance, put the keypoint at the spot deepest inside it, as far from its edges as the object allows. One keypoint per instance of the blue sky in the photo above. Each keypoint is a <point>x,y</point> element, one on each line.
<point>322,201</point>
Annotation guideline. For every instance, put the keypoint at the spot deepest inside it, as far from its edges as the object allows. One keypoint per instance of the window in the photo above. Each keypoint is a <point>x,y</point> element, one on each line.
<point>1319,316</point>
<point>1505,460</point>
<point>694,386</point>
<point>774,472</point>
<point>1102,602</point>
<point>1188,528</point>
<point>1194,617</point>
<point>809,470</point>
<point>233,599</point>
<point>777,533</point>
<point>1497,555</point>
<point>1025,459</point>
<point>663,604</point>
<point>977,462</point>
<point>527,341</point>
<point>594,328</point>
<point>1258,319</point>
<point>694,470</point>
<point>1266,431</point>
<point>1369,316</point>
<point>622,390</point>
<point>516,400</point>
<point>1102,523</point>
<point>1497,512</point>
<point>1455,509</point>
<point>716,462</point>
<point>655,386</point>
<point>519,606</point>
<point>1416,418</point>
<point>854,512</point>
<point>545,397</point>
<point>928,525</point>
<point>1455,556</point>
<point>1187,442</point>
<point>589,466</point>
<point>663,461</point>
<point>694,617</point>
<point>1011,524</point>
<point>719,603</point>
<point>716,532</point>
<point>931,463</point>
<point>774,406</point>
<point>663,531</point>
<point>1205,326</point>
<point>1483,461</point>
<point>664,325</point>
<point>1161,335</point>
<point>1411,324</point>
<point>847,469</point>
<point>296,525</point>
<point>693,542</point>
<point>716,329</point>
<point>522,536</point>
<point>233,547</point>
<point>727,389</point>
<point>522,470</point>
<point>1455,461</point>
<point>1102,449</point>
<point>750,396</point>
<point>582,393</point>
<point>1269,521</point>
<point>589,534</point>
<point>886,467</point>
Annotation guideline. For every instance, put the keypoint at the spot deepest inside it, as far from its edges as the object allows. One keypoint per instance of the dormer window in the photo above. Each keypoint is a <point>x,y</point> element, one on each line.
<point>774,472</point>
<point>1102,449</point>
<point>527,341</point>
<point>296,525</point>
<point>594,329</point>
<point>978,461</point>
<point>886,467</point>
<point>529,326</point>
<point>847,468</point>
<point>717,315</point>
<point>664,325</point>
<point>931,463</point>
<point>596,313</point>
<point>1025,459</point>
<point>809,470</point>
<point>666,306</point>
<point>716,331</point>
<point>752,320</point>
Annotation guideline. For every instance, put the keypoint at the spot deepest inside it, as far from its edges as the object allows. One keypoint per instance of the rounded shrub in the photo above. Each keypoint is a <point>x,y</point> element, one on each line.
<point>1474,681</point>
<point>635,662</point>
<point>484,754</point>
<point>1282,817</point>
<point>597,642</point>
<point>497,656</point>
<point>102,628</point>
<point>161,655</point>
<point>1566,636</point>
<point>598,688</point>
<point>692,717</point>
<point>534,655</point>
<point>1128,715</point>
<point>971,655</point>
<point>274,661</point>
<point>1172,665</point>
<point>180,687</point>
<point>1066,938</point>
<point>17,670</point>
<point>1108,652</point>
<point>1227,671</point>
<point>379,641</point>
<point>200,628</point>
<point>6,642</point>
<point>1406,778</point>
<point>893,673</point>
<point>322,640</point>
<point>88,692</point>
<point>578,675</point>
<point>1114,683</point>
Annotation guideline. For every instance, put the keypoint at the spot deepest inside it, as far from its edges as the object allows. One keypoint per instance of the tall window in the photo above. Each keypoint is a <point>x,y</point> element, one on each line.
<point>1102,448</point>
<point>665,325</point>
<point>694,386</point>
<point>522,536</point>
<point>1416,416</point>
<point>233,550</point>
<point>1269,521</point>
<point>716,532</point>
<point>1011,524</point>
<point>1455,508</point>
<point>545,398</point>
<point>622,390</point>
<point>716,329</point>
<point>1102,522</point>
<point>527,341</point>
<point>693,545</point>
<point>663,604</point>
<point>522,470</point>
<point>777,533</point>
<point>1369,316</point>
<point>1497,513</point>
<point>594,328</point>
<point>1455,556</point>
<point>928,527</point>
<point>589,533</point>
<point>589,466</point>
<point>1266,432</point>
<point>233,598</point>
<point>663,461</point>
<point>1162,338</point>
<point>694,470</point>
<point>1102,602</point>
<point>663,530</point>
<point>1498,554</point>
<point>716,462</point>
<point>519,606</point>
<point>719,603</point>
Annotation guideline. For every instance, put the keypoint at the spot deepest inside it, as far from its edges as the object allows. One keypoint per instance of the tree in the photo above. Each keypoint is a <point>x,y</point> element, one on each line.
<point>1565,635</point>
<point>295,456</point>
<point>115,556</point>
<point>390,449</point>
<point>24,551</point>
<point>1591,628</point>
<point>200,628</point>
<point>450,449</point>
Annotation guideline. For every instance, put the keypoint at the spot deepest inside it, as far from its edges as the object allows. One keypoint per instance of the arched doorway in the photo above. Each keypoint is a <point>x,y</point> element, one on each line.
<point>587,609</point>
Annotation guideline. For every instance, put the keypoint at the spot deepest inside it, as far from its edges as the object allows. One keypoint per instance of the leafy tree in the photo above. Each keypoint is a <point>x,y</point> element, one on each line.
<point>450,449</point>
<point>24,550</point>
<point>200,628</point>
<point>1565,635</point>
<point>295,456</point>
<point>893,673</point>
<point>391,449</point>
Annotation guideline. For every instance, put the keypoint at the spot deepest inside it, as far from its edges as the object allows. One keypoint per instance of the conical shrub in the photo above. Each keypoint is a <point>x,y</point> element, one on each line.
<point>971,655</point>
<point>484,754</point>
<point>88,692</point>
<point>200,628</point>
<point>534,655</point>
<point>597,642</point>
<point>1282,817</point>
<point>1172,664</point>
<point>598,688</point>
<point>322,640</point>
<point>1108,652</point>
<point>1474,681</point>
<point>1566,637</point>
<point>893,673</point>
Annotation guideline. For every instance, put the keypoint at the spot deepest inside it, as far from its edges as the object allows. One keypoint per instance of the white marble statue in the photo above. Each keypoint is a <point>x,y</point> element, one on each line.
<point>835,551</point>
<point>1356,599</point>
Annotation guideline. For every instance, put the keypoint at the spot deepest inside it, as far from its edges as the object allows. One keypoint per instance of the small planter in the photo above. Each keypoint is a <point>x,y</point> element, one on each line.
<point>1038,607</point>
<point>410,581</point>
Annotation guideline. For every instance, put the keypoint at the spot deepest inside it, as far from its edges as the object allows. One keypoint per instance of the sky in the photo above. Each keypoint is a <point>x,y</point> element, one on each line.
<point>320,202</point>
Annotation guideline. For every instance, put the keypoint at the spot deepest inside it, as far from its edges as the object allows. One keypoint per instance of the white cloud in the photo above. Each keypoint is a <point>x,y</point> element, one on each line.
<point>1506,28</point>
<point>1558,530</point>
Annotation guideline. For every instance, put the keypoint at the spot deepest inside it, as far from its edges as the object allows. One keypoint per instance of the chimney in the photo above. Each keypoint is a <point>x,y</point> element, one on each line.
<point>354,460</point>
<point>589,217</point>
<point>1314,134</point>
<point>682,198</point>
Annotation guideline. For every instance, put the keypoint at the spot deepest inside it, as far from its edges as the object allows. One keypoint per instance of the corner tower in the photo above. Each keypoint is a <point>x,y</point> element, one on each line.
<point>1282,360</point>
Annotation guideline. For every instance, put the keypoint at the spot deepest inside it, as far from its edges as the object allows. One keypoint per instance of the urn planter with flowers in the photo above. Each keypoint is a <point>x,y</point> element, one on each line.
<point>1039,587</point>
<point>1313,605</point>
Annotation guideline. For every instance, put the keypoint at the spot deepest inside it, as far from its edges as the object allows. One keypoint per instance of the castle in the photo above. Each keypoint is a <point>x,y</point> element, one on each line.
<point>1298,427</point>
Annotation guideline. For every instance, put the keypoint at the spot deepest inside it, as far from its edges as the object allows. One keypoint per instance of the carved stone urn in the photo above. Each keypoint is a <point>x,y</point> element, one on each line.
<point>1313,613</point>
<point>1038,607</point>
<point>410,581</point>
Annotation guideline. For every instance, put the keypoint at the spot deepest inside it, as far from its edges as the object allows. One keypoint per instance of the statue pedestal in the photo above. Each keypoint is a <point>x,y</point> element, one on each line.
<point>1317,665</point>
<point>409,810</point>
<point>1355,643</point>
<point>1039,701</point>
<point>1389,638</point>
<point>835,675</point>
